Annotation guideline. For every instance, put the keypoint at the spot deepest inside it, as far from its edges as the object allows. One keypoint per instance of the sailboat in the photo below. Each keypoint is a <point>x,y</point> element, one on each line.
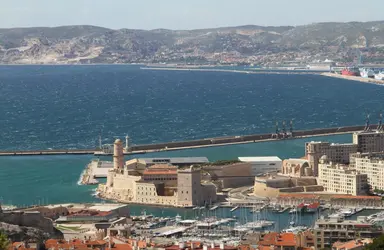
<point>293,227</point>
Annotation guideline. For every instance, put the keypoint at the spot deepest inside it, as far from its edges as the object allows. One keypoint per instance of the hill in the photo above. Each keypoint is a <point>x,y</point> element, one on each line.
<point>243,44</point>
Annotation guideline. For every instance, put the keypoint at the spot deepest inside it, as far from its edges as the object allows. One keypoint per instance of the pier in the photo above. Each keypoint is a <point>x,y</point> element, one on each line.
<point>208,142</point>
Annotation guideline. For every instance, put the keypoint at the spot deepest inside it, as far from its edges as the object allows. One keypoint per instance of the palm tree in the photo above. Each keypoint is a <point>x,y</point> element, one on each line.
<point>4,242</point>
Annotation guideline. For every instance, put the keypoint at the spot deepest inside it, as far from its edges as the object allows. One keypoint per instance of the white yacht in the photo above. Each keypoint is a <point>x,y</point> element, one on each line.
<point>379,76</point>
<point>367,73</point>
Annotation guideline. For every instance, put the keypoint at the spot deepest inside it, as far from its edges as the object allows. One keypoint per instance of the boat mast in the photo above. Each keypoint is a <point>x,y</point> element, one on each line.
<point>367,123</point>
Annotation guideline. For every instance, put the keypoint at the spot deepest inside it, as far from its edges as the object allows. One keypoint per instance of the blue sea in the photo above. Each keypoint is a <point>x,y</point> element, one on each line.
<point>45,107</point>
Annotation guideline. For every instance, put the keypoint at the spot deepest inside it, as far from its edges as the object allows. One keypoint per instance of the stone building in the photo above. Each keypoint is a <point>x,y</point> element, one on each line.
<point>190,191</point>
<point>158,184</point>
<point>296,168</point>
<point>231,175</point>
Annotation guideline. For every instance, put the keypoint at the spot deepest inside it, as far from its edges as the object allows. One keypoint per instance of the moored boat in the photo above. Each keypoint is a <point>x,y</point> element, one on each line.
<point>350,71</point>
<point>379,76</point>
<point>298,209</point>
<point>367,73</point>
<point>313,207</point>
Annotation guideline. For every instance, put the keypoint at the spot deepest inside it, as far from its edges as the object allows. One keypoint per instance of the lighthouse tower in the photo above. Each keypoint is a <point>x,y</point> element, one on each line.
<point>118,155</point>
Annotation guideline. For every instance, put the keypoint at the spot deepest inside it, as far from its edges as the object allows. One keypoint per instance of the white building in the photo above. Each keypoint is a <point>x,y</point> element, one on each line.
<point>338,178</point>
<point>261,165</point>
<point>371,164</point>
<point>337,153</point>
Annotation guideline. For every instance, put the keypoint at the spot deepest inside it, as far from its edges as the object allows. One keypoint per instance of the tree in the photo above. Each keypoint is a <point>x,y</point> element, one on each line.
<point>4,242</point>
<point>377,244</point>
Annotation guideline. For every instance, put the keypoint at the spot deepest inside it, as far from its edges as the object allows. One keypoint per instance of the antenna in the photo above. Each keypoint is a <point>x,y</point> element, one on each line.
<point>284,129</point>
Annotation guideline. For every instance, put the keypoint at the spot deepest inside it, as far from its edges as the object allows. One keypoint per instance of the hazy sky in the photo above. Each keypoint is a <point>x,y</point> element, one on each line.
<point>184,14</point>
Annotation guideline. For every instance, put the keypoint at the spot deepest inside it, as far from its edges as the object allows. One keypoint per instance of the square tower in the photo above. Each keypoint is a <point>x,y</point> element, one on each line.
<point>189,189</point>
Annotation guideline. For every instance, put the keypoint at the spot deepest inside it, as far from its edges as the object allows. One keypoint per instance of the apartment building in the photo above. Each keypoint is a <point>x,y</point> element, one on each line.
<point>338,178</point>
<point>329,231</point>
<point>363,142</point>
<point>371,164</point>
<point>338,153</point>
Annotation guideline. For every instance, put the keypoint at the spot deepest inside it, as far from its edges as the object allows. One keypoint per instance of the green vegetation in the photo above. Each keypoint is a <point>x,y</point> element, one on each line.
<point>61,227</point>
<point>378,191</point>
<point>224,162</point>
<point>4,242</point>
<point>220,163</point>
<point>377,244</point>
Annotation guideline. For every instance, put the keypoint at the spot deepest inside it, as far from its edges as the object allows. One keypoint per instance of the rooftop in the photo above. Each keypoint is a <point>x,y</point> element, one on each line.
<point>259,159</point>
<point>106,207</point>
<point>176,160</point>
<point>351,244</point>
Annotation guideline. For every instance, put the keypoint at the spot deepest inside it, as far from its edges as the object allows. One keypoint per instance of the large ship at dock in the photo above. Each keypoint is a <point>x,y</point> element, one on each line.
<point>350,71</point>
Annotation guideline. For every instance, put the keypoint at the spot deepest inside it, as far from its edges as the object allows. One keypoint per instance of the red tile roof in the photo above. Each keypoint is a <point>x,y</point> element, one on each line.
<point>360,197</point>
<point>276,239</point>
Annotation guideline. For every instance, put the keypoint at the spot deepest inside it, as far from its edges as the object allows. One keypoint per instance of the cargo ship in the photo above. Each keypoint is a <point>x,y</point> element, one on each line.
<point>350,72</point>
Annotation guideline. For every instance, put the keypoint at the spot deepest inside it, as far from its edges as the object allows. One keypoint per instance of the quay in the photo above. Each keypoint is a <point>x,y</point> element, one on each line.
<point>208,142</point>
<point>252,71</point>
<point>354,78</point>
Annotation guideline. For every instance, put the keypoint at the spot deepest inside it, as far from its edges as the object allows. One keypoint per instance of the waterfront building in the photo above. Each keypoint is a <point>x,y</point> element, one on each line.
<point>369,141</point>
<point>363,142</point>
<point>337,153</point>
<point>371,164</point>
<point>157,184</point>
<point>274,185</point>
<point>361,201</point>
<point>232,175</point>
<point>95,213</point>
<point>329,231</point>
<point>262,165</point>
<point>296,168</point>
<point>338,178</point>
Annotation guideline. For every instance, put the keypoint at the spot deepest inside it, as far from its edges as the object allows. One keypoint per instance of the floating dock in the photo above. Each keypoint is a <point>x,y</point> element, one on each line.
<point>208,142</point>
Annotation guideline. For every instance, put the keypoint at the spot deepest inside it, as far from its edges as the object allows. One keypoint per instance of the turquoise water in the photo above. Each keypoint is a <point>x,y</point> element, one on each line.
<point>27,180</point>
<point>53,179</point>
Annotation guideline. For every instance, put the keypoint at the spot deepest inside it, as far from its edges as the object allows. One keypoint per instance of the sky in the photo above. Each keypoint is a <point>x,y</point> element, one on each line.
<point>184,14</point>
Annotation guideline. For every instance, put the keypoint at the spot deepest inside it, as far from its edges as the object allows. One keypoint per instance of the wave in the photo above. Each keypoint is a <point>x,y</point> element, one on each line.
<point>80,180</point>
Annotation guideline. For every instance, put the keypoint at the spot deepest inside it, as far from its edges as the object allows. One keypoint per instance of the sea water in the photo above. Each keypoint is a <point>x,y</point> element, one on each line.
<point>69,106</point>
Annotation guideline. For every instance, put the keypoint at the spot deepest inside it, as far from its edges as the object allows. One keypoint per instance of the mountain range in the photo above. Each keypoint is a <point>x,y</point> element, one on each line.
<point>262,45</point>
